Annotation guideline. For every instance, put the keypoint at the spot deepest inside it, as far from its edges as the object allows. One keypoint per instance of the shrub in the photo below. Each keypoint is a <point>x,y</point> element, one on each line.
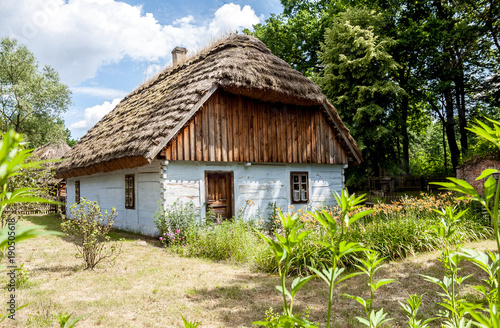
<point>393,230</point>
<point>90,227</point>
<point>174,220</point>
<point>232,240</point>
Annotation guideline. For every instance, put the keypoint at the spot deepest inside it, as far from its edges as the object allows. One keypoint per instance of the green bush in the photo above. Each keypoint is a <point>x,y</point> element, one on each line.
<point>394,230</point>
<point>175,220</point>
<point>90,229</point>
<point>232,240</point>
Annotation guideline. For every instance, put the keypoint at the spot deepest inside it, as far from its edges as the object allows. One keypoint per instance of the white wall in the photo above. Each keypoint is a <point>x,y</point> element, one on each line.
<point>108,189</point>
<point>184,181</point>
<point>260,183</point>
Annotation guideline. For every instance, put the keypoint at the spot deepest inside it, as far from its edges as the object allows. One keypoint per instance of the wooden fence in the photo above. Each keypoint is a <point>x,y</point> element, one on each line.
<point>34,209</point>
<point>404,183</point>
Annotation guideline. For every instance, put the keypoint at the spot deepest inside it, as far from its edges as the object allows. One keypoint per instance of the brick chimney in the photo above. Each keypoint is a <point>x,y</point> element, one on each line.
<point>178,55</point>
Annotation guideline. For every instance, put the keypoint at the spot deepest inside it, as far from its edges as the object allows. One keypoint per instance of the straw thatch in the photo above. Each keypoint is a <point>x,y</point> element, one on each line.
<point>134,132</point>
<point>51,151</point>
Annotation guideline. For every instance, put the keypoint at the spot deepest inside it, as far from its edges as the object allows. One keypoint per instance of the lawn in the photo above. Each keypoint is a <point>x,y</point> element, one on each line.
<point>148,287</point>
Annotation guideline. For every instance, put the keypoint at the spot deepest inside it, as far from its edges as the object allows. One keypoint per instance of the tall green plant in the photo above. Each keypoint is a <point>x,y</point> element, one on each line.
<point>14,159</point>
<point>370,265</point>
<point>282,248</point>
<point>455,307</point>
<point>490,202</point>
<point>336,245</point>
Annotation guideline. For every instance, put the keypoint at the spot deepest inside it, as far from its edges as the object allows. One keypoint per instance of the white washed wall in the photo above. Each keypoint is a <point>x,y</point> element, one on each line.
<point>262,184</point>
<point>184,181</point>
<point>108,189</point>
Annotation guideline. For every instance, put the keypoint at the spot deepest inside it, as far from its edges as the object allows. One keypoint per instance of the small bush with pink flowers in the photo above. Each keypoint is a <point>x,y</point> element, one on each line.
<point>173,222</point>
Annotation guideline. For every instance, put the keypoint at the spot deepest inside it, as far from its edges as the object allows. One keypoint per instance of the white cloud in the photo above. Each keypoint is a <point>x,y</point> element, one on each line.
<point>78,37</point>
<point>151,70</point>
<point>231,17</point>
<point>105,93</point>
<point>93,114</point>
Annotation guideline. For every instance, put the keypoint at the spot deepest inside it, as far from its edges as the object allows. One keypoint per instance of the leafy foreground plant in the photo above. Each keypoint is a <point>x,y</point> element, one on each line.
<point>282,248</point>
<point>90,229</point>
<point>336,245</point>
<point>411,308</point>
<point>188,324</point>
<point>13,159</point>
<point>65,320</point>
<point>455,307</point>
<point>370,266</point>
<point>489,317</point>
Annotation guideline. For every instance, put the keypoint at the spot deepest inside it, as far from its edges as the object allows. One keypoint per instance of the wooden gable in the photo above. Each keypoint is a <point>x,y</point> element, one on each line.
<point>232,128</point>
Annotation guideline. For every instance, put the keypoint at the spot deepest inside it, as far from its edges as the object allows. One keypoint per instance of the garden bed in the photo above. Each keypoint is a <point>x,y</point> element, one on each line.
<point>148,287</point>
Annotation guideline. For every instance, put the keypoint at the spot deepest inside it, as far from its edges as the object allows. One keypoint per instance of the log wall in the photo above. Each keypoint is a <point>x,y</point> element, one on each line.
<point>231,128</point>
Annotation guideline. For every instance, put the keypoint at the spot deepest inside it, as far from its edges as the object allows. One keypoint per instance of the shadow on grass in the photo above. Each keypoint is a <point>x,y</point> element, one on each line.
<point>237,303</point>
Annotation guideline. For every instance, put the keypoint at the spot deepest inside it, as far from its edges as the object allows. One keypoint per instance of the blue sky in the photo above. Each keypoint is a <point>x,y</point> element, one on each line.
<point>104,49</point>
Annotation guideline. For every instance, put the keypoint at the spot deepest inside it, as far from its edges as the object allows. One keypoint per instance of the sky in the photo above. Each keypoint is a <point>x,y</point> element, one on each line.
<point>104,49</point>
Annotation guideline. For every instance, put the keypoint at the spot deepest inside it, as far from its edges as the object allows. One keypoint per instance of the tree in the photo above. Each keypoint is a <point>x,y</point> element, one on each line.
<point>358,78</point>
<point>31,100</point>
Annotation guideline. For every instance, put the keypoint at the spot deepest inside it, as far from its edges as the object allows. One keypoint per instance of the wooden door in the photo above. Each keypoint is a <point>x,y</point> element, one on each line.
<point>219,193</point>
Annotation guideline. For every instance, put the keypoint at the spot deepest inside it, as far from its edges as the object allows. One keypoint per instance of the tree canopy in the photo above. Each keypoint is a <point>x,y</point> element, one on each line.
<point>32,99</point>
<point>395,67</point>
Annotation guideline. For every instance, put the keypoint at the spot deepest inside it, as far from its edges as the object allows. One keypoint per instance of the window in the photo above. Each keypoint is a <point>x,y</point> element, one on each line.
<point>77,191</point>
<point>300,187</point>
<point>129,191</point>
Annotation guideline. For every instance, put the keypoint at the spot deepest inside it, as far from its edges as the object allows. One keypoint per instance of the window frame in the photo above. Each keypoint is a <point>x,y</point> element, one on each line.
<point>77,191</point>
<point>300,183</point>
<point>130,191</point>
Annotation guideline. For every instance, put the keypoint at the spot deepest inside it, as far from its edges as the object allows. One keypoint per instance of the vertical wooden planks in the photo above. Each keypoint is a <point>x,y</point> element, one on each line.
<point>218,129</point>
<point>186,133</point>
<point>295,147</point>
<point>229,119</point>
<point>205,133</point>
<point>251,133</point>
<point>245,132</point>
<point>230,128</point>
<point>211,130</point>
<point>223,123</point>
<point>236,136</point>
<point>198,136</point>
<point>307,122</point>
<point>313,137</point>
<point>255,127</point>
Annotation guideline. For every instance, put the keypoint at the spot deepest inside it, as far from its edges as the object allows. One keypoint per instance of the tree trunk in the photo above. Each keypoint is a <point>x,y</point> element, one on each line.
<point>450,130</point>
<point>404,134</point>
<point>460,99</point>
<point>444,147</point>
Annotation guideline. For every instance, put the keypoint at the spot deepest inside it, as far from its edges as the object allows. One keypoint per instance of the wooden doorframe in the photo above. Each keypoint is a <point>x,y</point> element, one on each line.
<point>231,175</point>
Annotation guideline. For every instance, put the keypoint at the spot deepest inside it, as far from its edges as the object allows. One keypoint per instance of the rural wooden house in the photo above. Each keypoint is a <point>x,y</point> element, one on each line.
<point>231,124</point>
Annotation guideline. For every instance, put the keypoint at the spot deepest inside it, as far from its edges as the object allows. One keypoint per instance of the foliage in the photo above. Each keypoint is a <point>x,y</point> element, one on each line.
<point>90,229</point>
<point>188,324</point>
<point>13,160</point>
<point>490,202</point>
<point>173,221</point>
<point>447,55</point>
<point>393,230</point>
<point>455,311</point>
<point>410,308</point>
<point>282,247</point>
<point>335,244</point>
<point>65,320</point>
<point>32,100</point>
<point>370,265</point>
<point>228,240</point>
<point>357,79</point>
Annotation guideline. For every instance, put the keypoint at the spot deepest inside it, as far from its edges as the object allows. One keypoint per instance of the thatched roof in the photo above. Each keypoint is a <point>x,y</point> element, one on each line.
<point>51,151</point>
<point>138,128</point>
